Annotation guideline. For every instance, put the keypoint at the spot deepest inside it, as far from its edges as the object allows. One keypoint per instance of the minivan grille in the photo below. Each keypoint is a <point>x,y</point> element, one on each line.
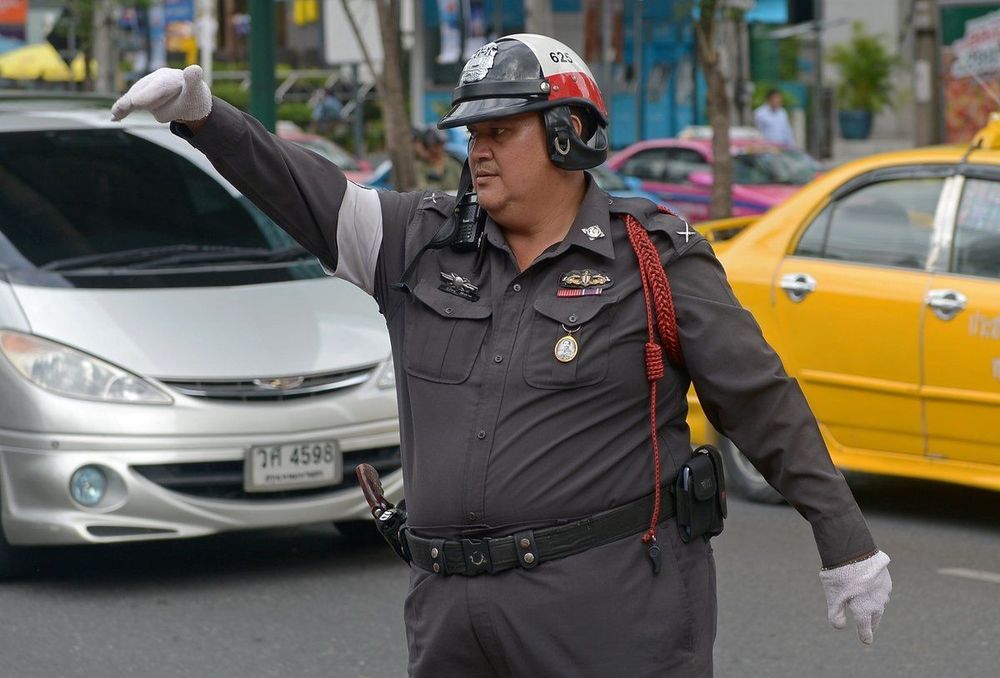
<point>268,388</point>
<point>224,479</point>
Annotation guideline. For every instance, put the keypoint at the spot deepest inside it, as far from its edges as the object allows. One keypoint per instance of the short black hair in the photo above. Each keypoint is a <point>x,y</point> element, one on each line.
<point>771,92</point>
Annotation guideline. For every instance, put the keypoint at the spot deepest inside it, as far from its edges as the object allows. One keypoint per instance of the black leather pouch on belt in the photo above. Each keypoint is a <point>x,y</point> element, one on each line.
<point>701,494</point>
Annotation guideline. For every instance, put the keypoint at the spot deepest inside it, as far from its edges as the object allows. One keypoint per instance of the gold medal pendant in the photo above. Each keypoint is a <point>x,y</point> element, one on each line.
<point>567,348</point>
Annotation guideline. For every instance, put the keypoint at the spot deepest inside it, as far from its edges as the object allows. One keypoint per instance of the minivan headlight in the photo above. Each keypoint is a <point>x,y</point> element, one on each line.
<point>70,372</point>
<point>387,375</point>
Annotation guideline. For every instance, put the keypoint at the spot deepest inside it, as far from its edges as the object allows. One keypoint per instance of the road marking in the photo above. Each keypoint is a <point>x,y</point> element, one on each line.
<point>978,575</point>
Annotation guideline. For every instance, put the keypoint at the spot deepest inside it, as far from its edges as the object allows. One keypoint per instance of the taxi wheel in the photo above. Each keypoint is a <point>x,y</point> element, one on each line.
<point>359,531</point>
<point>742,479</point>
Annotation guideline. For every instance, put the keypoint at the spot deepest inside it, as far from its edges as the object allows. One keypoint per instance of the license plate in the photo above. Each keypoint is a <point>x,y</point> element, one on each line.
<point>272,468</point>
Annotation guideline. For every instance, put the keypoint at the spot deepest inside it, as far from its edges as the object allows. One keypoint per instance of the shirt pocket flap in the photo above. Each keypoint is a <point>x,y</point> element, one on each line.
<point>449,305</point>
<point>572,310</point>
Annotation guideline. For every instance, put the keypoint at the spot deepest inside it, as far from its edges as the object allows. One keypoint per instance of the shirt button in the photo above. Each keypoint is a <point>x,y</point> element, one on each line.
<point>517,287</point>
<point>572,318</point>
<point>448,310</point>
<point>498,359</point>
<point>481,435</point>
<point>471,517</point>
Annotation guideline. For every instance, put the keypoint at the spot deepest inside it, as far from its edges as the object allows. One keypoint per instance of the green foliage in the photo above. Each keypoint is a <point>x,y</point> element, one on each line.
<point>788,58</point>
<point>231,92</point>
<point>865,71</point>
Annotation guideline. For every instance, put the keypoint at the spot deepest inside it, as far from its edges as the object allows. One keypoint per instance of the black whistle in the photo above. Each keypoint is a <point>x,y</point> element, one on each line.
<point>654,555</point>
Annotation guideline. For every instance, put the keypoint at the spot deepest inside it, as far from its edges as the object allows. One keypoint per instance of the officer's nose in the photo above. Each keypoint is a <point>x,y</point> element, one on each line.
<point>479,150</point>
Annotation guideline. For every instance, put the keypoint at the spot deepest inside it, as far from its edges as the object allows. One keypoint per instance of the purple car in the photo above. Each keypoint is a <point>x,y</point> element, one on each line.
<point>679,171</point>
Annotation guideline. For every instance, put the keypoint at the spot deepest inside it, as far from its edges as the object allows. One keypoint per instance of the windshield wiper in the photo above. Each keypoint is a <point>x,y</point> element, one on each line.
<point>222,255</point>
<point>147,257</point>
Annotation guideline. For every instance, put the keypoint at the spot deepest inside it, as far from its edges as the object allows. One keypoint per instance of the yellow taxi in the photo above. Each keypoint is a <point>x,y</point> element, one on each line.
<point>879,286</point>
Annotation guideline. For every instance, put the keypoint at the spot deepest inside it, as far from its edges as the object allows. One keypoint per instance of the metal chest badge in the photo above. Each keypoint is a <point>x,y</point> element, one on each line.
<point>567,346</point>
<point>459,286</point>
<point>583,283</point>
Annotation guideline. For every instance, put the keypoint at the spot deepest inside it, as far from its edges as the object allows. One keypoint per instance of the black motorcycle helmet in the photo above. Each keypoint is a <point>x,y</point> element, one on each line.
<point>525,72</point>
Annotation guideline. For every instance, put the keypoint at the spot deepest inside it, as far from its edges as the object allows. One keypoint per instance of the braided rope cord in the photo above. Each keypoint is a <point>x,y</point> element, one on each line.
<point>660,320</point>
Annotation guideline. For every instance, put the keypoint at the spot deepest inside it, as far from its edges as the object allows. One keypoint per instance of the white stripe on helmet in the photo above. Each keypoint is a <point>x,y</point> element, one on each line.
<point>553,56</point>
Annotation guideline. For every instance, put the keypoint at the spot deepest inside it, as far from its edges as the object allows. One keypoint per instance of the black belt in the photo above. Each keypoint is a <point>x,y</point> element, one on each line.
<point>471,557</point>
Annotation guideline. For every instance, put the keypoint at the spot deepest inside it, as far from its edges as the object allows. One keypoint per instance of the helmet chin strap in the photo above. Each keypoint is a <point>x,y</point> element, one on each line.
<point>566,149</point>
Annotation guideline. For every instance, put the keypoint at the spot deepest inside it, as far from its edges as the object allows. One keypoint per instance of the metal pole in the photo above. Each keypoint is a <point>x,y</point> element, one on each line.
<point>607,17</point>
<point>262,39</point>
<point>926,86</point>
<point>818,145</point>
<point>640,90</point>
<point>358,119</point>
<point>417,61</point>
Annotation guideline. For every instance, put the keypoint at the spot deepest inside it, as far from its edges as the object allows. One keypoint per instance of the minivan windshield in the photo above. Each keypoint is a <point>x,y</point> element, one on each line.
<point>75,200</point>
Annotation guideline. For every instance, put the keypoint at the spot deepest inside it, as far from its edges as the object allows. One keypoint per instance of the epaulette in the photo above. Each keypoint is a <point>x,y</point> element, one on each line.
<point>655,220</point>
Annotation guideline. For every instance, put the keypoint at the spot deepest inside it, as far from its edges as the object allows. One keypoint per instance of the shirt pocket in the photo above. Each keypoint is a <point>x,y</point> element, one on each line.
<point>443,334</point>
<point>588,320</point>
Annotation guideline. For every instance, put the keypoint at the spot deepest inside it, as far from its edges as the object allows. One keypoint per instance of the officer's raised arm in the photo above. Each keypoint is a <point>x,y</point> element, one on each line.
<point>355,232</point>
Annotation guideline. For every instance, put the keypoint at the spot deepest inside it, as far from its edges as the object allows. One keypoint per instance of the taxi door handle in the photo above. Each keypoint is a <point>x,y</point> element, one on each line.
<point>946,303</point>
<point>798,285</point>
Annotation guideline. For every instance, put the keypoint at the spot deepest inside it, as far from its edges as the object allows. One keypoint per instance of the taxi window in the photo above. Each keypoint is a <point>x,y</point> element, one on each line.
<point>886,224</point>
<point>649,165</point>
<point>976,250</point>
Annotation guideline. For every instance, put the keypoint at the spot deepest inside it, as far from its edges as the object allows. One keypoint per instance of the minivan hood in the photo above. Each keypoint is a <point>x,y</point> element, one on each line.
<point>276,329</point>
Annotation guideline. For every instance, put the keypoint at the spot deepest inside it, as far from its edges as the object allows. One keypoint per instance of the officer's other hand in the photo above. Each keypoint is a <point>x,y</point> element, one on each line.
<point>169,94</point>
<point>862,588</point>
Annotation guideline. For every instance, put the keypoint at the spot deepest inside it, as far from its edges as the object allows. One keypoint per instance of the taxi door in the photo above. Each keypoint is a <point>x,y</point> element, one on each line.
<point>962,330</point>
<point>849,301</point>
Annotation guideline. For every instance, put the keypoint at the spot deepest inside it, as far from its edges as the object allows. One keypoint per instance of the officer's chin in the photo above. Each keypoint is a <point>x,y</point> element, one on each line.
<point>490,196</point>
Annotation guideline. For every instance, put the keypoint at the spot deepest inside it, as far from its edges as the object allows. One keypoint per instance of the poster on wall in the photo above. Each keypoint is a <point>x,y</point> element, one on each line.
<point>451,32</point>
<point>970,67</point>
<point>475,26</point>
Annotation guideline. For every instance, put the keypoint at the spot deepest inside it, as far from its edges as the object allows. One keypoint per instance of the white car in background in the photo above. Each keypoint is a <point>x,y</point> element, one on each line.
<point>171,363</point>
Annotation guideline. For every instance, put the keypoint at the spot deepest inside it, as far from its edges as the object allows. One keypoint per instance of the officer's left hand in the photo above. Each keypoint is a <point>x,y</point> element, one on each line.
<point>863,588</point>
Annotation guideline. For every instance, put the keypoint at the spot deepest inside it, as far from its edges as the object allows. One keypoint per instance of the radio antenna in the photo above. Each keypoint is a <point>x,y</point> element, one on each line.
<point>986,88</point>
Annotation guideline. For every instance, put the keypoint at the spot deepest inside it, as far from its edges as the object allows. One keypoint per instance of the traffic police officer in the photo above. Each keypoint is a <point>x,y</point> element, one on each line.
<point>523,396</point>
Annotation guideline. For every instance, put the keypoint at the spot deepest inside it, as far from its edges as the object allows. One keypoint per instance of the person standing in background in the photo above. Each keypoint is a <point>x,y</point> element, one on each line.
<point>772,120</point>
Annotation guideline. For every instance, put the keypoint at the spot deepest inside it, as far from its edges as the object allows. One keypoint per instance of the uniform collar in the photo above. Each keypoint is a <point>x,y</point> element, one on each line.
<point>593,212</point>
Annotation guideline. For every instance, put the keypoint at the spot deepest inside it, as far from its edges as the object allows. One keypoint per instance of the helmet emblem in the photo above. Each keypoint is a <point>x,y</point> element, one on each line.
<point>480,64</point>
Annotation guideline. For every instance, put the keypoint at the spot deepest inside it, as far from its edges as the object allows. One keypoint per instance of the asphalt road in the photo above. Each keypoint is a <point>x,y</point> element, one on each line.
<point>303,603</point>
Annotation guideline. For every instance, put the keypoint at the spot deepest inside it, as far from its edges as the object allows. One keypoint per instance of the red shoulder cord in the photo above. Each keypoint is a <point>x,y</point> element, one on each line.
<point>660,319</point>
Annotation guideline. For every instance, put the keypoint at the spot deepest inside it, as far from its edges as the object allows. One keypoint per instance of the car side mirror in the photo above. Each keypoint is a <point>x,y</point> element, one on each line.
<point>700,178</point>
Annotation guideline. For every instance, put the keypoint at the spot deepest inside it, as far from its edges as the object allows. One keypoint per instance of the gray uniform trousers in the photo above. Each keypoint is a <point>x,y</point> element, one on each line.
<point>597,614</point>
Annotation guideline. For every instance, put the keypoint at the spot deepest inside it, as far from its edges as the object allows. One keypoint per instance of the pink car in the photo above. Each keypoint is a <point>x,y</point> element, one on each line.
<point>680,172</point>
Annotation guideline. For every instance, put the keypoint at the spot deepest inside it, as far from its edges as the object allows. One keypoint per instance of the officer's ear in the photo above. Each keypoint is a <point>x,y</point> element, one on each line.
<point>577,124</point>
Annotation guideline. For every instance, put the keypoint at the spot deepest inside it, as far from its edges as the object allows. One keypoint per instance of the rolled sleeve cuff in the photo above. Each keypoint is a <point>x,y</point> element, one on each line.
<point>222,132</point>
<point>842,538</point>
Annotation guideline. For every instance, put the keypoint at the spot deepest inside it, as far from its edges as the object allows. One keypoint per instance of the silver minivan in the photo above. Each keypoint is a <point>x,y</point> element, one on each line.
<point>172,364</point>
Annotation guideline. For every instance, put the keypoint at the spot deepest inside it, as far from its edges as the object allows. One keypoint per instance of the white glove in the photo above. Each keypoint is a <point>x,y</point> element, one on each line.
<point>863,588</point>
<point>169,94</point>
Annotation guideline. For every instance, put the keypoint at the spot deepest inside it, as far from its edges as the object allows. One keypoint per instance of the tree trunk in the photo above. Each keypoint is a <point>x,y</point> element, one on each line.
<point>104,47</point>
<point>397,126</point>
<point>718,112</point>
<point>389,83</point>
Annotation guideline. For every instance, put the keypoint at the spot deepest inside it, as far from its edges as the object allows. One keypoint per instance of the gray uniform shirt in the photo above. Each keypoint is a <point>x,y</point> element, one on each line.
<point>497,434</point>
